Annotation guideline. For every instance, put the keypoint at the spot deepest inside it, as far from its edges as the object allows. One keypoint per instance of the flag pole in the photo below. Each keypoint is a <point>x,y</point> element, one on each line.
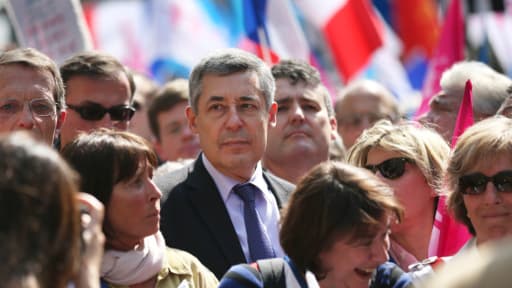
<point>264,44</point>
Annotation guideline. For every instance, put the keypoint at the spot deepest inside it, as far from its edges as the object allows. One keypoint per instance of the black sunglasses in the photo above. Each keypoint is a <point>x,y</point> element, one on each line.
<point>392,168</point>
<point>95,112</point>
<point>475,183</point>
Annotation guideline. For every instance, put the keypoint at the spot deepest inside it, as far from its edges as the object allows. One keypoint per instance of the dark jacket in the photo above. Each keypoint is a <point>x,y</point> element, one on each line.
<point>195,219</point>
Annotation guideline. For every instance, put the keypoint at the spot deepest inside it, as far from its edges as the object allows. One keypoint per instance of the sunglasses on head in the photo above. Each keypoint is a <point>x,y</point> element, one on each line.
<point>95,112</point>
<point>476,183</point>
<point>391,169</point>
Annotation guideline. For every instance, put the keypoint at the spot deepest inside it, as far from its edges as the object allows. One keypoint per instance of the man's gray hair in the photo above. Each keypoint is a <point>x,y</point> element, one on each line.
<point>32,58</point>
<point>489,86</point>
<point>227,62</point>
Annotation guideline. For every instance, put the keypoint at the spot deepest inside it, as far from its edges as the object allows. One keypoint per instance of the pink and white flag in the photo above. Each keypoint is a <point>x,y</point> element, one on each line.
<point>449,50</point>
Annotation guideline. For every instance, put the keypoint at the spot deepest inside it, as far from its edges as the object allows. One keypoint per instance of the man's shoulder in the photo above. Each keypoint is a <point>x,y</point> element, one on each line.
<point>280,188</point>
<point>167,177</point>
<point>278,183</point>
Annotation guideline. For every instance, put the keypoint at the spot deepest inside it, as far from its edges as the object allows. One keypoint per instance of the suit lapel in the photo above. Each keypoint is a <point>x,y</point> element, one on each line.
<point>280,189</point>
<point>206,200</point>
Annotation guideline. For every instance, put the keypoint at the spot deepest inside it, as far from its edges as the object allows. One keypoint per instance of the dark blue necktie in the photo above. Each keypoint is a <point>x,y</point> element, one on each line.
<point>257,239</point>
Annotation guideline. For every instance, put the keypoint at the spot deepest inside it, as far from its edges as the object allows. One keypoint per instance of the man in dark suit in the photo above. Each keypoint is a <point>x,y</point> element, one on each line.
<point>231,108</point>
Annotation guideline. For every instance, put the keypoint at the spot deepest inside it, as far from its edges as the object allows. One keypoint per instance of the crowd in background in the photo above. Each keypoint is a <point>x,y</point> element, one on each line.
<point>245,175</point>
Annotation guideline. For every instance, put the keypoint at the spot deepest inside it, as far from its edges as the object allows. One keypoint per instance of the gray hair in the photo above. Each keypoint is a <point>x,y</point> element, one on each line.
<point>32,58</point>
<point>489,86</point>
<point>227,62</point>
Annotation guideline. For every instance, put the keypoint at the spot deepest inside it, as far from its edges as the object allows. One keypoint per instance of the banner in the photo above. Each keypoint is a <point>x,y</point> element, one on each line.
<point>54,27</point>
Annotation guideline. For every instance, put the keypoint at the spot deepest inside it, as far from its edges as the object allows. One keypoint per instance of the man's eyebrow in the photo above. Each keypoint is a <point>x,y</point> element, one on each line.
<point>248,98</point>
<point>284,100</point>
<point>215,99</point>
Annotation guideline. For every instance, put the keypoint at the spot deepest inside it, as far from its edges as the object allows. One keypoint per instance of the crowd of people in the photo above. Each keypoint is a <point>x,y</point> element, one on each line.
<point>244,175</point>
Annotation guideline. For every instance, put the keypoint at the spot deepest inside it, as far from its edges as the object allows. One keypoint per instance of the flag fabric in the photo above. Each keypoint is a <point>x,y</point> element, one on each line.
<point>411,16</point>
<point>465,116</point>
<point>497,25</point>
<point>273,29</point>
<point>351,30</point>
<point>164,38</point>
<point>385,67</point>
<point>448,236</point>
<point>450,49</point>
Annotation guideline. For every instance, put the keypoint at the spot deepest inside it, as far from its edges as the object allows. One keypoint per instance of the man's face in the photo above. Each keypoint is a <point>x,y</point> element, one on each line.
<point>232,122</point>
<point>176,139</point>
<point>443,114</point>
<point>19,86</point>
<point>358,112</point>
<point>304,128</point>
<point>506,108</point>
<point>83,91</point>
<point>139,124</point>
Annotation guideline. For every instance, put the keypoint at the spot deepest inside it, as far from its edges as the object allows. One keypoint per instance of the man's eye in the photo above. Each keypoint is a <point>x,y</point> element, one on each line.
<point>9,107</point>
<point>248,106</point>
<point>282,108</point>
<point>309,107</point>
<point>175,129</point>
<point>216,107</point>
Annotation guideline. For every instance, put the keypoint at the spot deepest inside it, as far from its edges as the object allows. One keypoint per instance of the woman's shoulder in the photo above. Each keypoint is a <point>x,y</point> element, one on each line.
<point>185,266</point>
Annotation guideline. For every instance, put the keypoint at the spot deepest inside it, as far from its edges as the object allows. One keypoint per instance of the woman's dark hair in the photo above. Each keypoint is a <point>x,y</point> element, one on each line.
<point>333,201</point>
<point>39,218</point>
<point>104,158</point>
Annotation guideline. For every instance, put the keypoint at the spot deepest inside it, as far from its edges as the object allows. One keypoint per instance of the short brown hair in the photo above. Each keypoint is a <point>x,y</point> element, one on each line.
<point>171,94</point>
<point>297,71</point>
<point>96,65</point>
<point>106,157</point>
<point>39,216</point>
<point>333,200</point>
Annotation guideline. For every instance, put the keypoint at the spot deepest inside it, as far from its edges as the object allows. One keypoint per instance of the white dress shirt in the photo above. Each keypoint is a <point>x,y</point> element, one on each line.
<point>266,205</point>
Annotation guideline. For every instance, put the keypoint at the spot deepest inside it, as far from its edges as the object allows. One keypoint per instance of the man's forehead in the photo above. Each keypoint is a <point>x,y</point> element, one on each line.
<point>221,98</point>
<point>445,98</point>
<point>307,93</point>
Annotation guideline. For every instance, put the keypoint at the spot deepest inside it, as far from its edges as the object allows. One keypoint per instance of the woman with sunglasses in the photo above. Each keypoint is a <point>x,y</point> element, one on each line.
<point>410,159</point>
<point>479,180</point>
<point>117,167</point>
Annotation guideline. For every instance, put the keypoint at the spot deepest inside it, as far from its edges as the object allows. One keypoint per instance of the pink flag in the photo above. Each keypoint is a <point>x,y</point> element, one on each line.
<point>465,116</point>
<point>450,49</point>
<point>448,236</point>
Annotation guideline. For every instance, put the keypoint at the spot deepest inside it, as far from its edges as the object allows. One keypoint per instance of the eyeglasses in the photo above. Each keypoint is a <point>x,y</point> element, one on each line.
<point>39,107</point>
<point>392,168</point>
<point>476,183</point>
<point>95,112</point>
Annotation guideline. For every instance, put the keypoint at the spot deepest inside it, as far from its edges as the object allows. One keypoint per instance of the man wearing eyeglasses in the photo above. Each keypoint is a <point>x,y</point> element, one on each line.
<point>99,94</point>
<point>31,94</point>
<point>360,105</point>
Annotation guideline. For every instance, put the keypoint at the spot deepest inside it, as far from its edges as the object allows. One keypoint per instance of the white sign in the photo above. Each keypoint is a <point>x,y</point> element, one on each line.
<point>54,27</point>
